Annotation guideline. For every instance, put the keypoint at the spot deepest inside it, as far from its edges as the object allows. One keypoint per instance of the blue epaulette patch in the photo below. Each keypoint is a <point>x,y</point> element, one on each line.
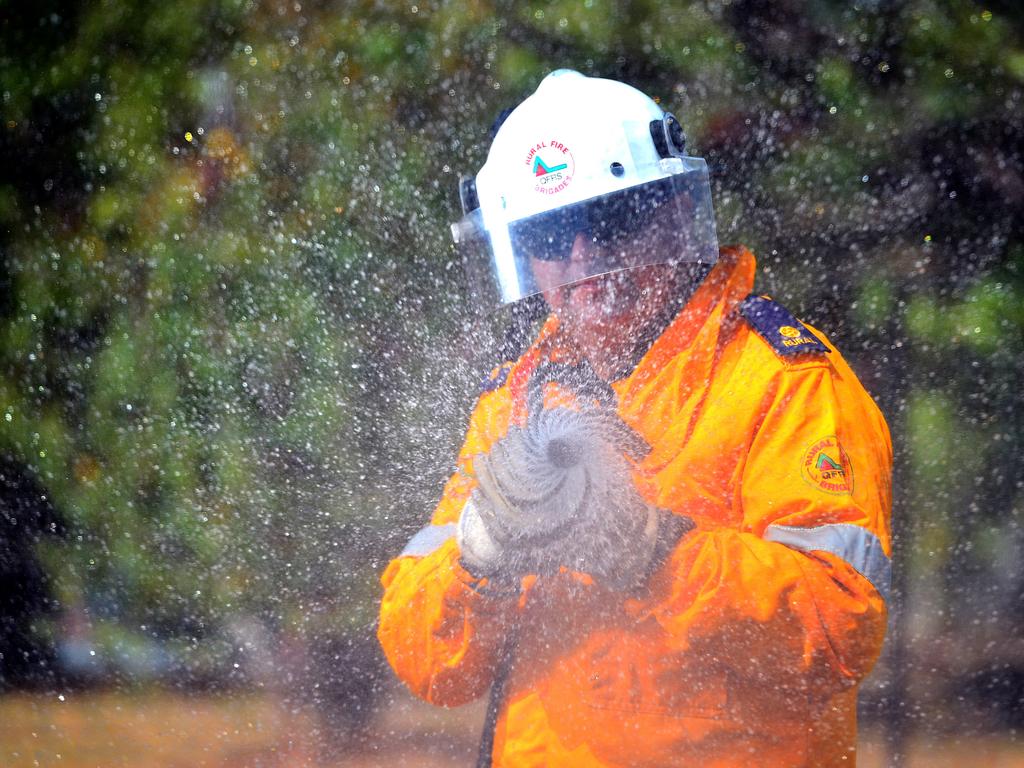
<point>497,378</point>
<point>783,332</point>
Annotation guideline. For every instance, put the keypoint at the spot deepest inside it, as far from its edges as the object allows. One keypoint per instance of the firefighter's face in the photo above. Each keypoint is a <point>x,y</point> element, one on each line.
<point>606,313</point>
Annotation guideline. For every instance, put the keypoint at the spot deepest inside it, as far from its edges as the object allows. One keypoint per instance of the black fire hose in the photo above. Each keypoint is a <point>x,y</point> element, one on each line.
<point>584,381</point>
<point>497,698</point>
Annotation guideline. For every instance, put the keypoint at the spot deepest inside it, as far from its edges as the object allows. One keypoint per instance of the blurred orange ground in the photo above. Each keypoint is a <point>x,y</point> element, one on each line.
<point>166,730</point>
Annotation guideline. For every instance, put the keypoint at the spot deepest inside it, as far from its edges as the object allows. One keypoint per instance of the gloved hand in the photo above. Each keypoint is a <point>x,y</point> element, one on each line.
<point>560,492</point>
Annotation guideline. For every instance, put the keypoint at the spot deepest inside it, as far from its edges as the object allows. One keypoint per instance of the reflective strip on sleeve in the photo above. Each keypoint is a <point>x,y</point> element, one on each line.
<point>853,543</point>
<point>428,539</point>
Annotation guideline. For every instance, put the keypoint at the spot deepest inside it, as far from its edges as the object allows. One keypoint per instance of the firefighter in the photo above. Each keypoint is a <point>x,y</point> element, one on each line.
<point>667,539</point>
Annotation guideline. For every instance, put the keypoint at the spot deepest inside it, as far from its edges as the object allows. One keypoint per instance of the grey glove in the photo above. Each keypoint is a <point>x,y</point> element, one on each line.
<point>559,492</point>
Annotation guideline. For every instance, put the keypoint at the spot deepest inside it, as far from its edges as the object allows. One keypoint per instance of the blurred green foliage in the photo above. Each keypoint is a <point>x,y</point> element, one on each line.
<point>228,324</point>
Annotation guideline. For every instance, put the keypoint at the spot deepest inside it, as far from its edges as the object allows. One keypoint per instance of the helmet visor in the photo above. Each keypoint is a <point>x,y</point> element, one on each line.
<point>668,220</point>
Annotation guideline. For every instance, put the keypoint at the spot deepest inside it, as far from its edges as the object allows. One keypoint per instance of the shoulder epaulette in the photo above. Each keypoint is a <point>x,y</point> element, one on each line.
<point>783,332</point>
<point>496,379</point>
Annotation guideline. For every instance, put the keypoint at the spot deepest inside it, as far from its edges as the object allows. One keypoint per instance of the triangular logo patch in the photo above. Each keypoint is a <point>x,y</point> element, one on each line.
<point>539,169</point>
<point>825,462</point>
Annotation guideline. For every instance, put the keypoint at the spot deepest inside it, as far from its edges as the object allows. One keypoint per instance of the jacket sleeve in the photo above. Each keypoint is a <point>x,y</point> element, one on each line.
<point>794,597</point>
<point>440,628</point>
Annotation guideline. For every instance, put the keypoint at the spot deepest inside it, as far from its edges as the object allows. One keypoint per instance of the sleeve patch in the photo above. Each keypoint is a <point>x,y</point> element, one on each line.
<point>825,465</point>
<point>783,332</point>
<point>496,379</point>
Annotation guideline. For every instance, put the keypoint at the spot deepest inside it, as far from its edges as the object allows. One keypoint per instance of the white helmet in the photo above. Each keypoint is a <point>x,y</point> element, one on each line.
<point>582,154</point>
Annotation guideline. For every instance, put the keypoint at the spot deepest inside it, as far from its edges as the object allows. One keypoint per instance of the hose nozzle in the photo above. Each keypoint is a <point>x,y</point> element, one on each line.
<point>563,453</point>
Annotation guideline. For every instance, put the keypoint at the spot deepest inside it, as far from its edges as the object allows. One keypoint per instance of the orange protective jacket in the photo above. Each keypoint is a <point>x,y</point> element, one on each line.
<point>746,645</point>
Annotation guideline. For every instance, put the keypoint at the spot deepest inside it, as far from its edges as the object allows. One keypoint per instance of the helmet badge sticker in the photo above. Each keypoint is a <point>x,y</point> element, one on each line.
<point>551,166</point>
<point>827,466</point>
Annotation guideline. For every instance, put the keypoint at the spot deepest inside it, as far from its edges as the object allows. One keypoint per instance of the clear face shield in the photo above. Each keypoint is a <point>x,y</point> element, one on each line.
<point>666,221</point>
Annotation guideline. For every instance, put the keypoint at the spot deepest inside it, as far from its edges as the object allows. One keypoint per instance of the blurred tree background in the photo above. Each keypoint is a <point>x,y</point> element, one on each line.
<point>235,367</point>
